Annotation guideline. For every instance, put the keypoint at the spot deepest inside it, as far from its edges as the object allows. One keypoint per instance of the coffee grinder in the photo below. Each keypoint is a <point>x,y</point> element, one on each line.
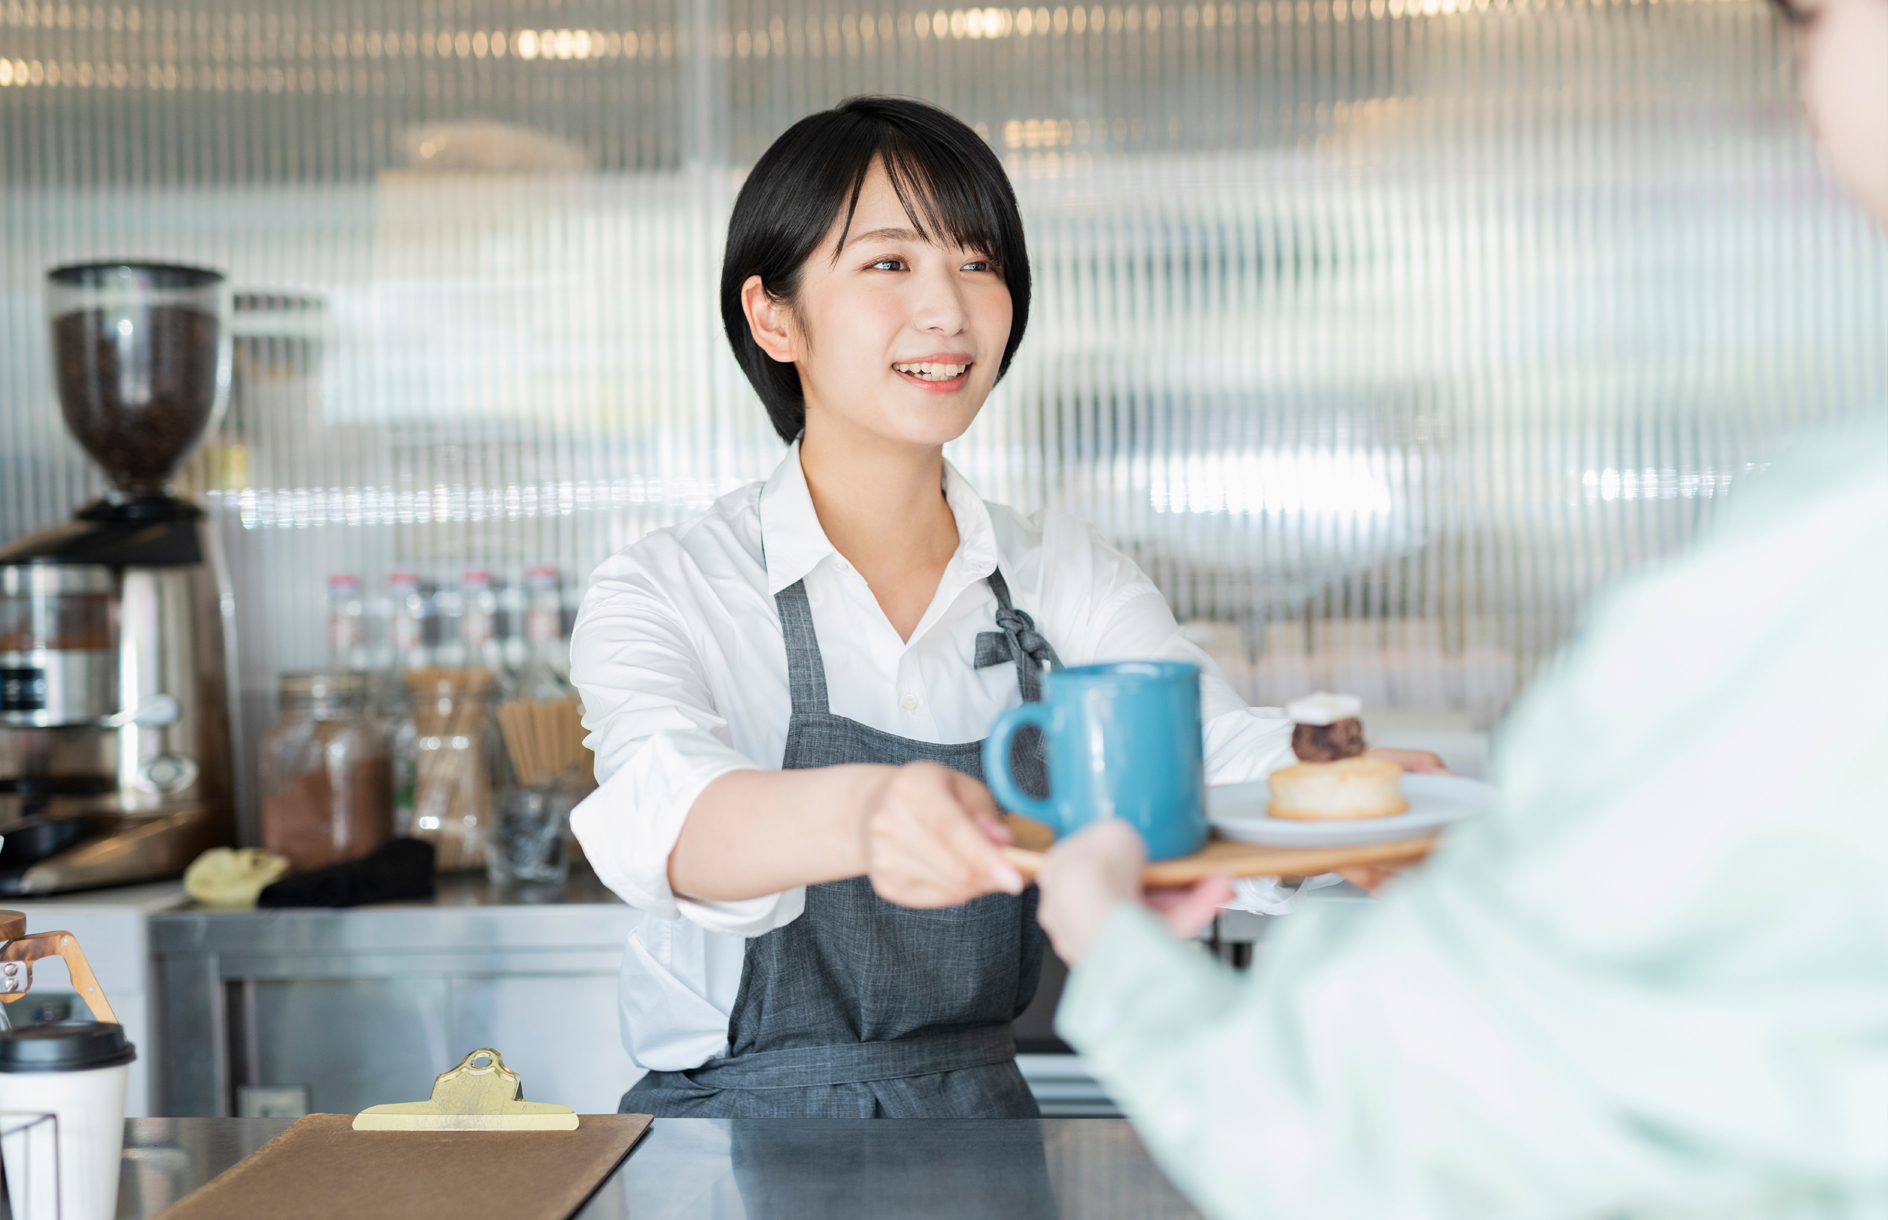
<point>114,722</point>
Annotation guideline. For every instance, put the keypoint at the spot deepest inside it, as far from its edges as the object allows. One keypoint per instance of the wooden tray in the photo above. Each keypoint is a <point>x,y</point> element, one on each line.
<point>1228,857</point>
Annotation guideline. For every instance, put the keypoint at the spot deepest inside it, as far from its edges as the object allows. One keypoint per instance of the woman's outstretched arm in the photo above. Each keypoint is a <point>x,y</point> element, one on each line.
<point>927,836</point>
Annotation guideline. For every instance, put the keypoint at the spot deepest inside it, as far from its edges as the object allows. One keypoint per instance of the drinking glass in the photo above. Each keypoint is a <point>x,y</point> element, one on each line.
<point>528,844</point>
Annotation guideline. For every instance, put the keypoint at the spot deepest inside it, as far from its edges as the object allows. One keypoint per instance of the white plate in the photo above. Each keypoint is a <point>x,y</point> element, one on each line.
<point>1238,812</point>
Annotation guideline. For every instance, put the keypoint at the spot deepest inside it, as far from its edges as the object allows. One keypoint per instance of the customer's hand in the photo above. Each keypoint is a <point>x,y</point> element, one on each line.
<point>933,838</point>
<point>1087,874</point>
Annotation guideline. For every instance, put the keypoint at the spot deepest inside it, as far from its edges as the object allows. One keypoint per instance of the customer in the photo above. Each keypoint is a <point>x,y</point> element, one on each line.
<point>1655,981</point>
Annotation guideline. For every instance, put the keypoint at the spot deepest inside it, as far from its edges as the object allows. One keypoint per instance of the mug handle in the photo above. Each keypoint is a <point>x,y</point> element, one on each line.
<point>996,763</point>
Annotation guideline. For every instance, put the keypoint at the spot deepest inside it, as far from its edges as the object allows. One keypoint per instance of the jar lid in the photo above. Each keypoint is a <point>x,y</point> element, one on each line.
<point>64,1046</point>
<point>48,578</point>
<point>339,687</point>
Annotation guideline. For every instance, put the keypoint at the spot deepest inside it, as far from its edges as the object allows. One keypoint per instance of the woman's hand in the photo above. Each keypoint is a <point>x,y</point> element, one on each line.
<point>1087,874</point>
<point>1371,877</point>
<point>933,838</point>
<point>1419,762</point>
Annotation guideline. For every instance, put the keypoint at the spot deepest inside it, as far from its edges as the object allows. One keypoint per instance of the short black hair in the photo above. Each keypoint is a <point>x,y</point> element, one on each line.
<point>948,178</point>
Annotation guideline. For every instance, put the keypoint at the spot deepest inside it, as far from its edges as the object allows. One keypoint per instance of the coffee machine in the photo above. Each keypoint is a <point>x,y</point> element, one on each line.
<point>114,722</point>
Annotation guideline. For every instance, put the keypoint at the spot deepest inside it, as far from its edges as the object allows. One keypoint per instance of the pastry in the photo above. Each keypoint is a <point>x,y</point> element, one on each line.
<point>1347,788</point>
<point>1332,778</point>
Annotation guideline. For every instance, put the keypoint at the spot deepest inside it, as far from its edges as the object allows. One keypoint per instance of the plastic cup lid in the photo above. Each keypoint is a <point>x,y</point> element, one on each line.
<point>64,1046</point>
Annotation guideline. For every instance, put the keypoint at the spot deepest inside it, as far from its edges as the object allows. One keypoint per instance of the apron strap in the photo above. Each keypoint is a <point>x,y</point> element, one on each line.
<point>1018,641</point>
<point>806,668</point>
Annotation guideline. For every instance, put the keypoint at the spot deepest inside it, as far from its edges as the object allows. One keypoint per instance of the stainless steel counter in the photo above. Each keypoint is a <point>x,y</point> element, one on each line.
<point>709,1169</point>
<point>287,1011</point>
<point>353,1007</point>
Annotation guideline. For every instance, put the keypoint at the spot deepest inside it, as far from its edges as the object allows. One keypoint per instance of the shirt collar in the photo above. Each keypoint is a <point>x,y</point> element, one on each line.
<point>794,542</point>
<point>791,538</point>
<point>976,537</point>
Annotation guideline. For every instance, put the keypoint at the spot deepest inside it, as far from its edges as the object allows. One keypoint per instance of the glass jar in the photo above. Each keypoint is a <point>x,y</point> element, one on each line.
<point>326,785</point>
<point>457,758</point>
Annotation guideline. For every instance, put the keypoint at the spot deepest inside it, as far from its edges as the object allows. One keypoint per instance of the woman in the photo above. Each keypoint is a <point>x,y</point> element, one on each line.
<point>787,695</point>
<point>1594,1002</point>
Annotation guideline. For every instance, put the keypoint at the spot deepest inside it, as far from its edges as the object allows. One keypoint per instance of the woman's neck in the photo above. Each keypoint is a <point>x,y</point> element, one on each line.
<point>882,506</point>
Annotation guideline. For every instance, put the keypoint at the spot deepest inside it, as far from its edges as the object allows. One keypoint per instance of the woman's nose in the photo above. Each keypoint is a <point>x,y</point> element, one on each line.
<point>939,304</point>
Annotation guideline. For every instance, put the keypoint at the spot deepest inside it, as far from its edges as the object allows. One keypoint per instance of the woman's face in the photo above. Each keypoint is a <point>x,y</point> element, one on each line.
<point>1842,47</point>
<point>894,337</point>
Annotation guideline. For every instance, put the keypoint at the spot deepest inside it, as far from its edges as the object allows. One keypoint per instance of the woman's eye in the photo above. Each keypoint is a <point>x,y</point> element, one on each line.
<point>887,264</point>
<point>977,265</point>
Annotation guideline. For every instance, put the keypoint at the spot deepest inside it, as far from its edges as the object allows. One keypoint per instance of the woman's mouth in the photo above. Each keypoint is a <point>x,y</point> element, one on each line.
<point>933,374</point>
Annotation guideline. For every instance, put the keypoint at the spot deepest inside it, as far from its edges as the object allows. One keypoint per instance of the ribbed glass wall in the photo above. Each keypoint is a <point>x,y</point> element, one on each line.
<point>1380,331</point>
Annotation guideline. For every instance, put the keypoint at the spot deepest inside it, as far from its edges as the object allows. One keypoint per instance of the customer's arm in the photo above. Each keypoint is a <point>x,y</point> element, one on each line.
<point>1598,998</point>
<point>1370,1069</point>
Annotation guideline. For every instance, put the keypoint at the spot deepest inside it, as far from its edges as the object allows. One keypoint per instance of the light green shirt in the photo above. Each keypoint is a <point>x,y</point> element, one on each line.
<point>1654,982</point>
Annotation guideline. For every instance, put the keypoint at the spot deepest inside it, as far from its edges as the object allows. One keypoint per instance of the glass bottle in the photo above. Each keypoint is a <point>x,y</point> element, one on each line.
<point>447,619</point>
<point>514,645</point>
<point>459,758</point>
<point>478,632</point>
<point>347,624</point>
<point>406,666</point>
<point>406,621</point>
<point>543,732</point>
<point>542,719</point>
<point>546,669</point>
<point>326,795</point>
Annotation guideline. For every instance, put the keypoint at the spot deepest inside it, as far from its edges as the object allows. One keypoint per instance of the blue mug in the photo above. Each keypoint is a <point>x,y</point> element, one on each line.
<point>1122,741</point>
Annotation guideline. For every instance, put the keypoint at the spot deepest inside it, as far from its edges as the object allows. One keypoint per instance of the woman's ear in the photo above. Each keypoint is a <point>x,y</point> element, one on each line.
<point>767,320</point>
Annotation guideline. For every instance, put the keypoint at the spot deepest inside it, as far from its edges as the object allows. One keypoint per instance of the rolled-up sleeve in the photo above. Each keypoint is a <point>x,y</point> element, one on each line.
<point>1241,743</point>
<point>658,741</point>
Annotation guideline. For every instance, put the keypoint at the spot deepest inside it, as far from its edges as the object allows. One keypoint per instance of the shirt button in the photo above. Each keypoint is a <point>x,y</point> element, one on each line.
<point>910,702</point>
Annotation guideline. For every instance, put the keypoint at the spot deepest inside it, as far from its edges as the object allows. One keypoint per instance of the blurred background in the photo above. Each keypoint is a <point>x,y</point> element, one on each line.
<point>1380,332</point>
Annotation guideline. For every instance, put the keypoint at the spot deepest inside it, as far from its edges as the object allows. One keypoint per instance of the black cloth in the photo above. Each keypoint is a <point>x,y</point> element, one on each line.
<point>399,871</point>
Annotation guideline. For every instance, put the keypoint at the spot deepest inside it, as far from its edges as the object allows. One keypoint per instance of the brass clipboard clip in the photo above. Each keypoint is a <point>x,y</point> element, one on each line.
<point>20,951</point>
<point>481,1094</point>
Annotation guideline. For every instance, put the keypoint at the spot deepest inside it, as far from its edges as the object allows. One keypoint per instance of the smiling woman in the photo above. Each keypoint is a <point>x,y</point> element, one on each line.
<point>943,193</point>
<point>787,696</point>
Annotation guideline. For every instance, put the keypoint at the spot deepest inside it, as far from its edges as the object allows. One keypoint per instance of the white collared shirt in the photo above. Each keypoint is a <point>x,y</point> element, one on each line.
<point>679,657</point>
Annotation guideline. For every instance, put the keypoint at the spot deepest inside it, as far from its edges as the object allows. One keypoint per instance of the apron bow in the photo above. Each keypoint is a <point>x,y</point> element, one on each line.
<point>1017,639</point>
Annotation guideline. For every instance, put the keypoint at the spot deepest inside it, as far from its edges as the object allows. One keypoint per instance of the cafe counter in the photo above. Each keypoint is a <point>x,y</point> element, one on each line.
<point>284,1012</point>
<point>765,1169</point>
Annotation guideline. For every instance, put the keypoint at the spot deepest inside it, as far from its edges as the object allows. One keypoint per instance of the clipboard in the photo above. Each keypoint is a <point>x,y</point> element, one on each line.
<point>475,1148</point>
<point>323,1169</point>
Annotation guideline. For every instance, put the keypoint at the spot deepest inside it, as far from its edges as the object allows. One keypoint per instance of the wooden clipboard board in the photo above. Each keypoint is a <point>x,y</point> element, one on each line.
<point>323,1169</point>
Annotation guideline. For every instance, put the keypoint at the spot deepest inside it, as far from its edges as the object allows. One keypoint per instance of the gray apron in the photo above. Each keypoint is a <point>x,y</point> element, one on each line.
<point>863,1009</point>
